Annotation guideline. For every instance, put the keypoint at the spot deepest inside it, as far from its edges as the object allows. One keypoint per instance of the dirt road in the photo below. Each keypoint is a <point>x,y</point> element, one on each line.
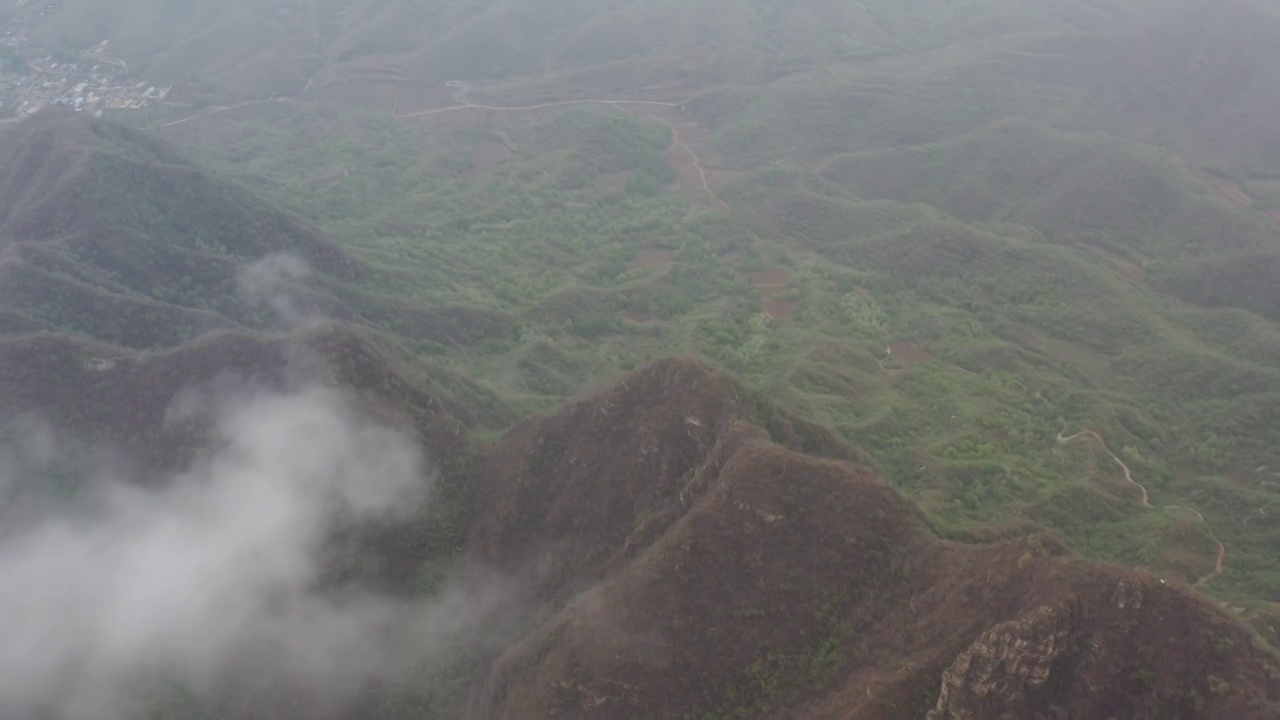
<point>1146,499</point>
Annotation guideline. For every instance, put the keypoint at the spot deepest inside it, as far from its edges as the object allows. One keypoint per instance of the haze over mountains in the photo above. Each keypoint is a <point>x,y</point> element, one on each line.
<point>645,359</point>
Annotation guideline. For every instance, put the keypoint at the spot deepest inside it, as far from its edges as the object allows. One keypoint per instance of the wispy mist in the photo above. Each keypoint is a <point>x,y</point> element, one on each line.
<point>272,282</point>
<point>211,578</point>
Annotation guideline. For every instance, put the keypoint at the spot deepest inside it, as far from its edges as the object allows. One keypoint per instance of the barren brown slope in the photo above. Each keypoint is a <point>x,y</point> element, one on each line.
<point>690,563</point>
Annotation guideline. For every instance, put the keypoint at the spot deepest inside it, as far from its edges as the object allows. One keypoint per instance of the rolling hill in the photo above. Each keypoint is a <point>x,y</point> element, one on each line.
<point>107,232</point>
<point>1127,197</point>
<point>976,410</point>
<point>734,562</point>
<point>951,307</point>
<point>735,559</point>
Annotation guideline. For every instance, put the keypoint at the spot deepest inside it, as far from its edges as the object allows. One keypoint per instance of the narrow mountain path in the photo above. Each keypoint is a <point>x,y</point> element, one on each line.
<point>1146,499</point>
<point>678,142</point>
<point>888,355</point>
<point>697,164</point>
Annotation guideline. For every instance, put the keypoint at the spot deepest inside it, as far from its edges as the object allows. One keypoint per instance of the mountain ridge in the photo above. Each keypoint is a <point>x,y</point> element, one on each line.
<point>762,579</point>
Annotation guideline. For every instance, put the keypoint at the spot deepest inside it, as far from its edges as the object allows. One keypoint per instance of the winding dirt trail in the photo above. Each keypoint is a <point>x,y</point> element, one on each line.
<point>697,165</point>
<point>1146,499</point>
<point>888,355</point>
<point>214,110</point>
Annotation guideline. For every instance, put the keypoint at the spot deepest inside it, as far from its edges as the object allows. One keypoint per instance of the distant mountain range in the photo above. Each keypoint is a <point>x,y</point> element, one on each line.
<point>1194,74</point>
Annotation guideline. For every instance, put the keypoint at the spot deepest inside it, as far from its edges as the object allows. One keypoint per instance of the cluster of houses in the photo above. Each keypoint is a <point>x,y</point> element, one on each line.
<point>94,82</point>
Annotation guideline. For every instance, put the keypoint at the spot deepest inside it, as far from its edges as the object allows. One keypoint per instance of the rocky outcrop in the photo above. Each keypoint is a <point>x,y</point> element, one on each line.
<point>1005,667</point>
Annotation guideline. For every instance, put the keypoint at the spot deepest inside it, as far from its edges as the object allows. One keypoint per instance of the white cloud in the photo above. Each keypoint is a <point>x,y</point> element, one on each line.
<point>212,576</point>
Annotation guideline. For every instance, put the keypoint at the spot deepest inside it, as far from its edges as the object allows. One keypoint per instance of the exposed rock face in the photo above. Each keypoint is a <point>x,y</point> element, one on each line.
<point>998,673</point>
<point>1128,595</point>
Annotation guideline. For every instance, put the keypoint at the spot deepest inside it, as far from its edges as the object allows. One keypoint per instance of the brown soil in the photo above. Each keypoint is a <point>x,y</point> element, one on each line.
<point>769,283</point>
<point>909,354</point>
<point>781,309</point>
<point>652,258</point>
<point>687,181</point>
<point>775,279</point>
<point>1133,272</point>
<point>688,561</point>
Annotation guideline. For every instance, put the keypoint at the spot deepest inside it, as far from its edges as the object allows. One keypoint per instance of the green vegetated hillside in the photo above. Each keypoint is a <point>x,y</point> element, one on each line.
<point>951,307</point>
